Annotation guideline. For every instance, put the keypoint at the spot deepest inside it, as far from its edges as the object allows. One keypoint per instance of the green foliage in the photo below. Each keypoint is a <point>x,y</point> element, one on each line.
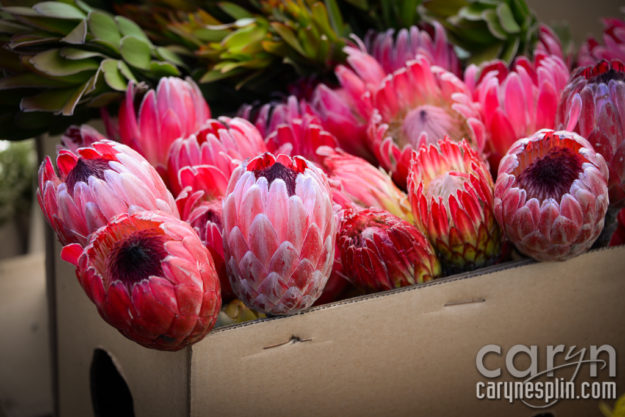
<point>17,167</point>
<point>58,55</point>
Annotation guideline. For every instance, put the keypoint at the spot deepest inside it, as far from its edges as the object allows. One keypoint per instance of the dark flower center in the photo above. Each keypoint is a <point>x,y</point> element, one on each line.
<point>212,216</point>
<point>278,171</point>
<point>137,257</point>
<point>551,176</point>
<point>85,168</point>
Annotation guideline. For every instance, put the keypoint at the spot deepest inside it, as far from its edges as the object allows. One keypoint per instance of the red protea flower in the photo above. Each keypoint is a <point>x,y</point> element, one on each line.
<point>205,160</point>
<point>300,137</point>
<point>592,104</point>
<point>451,193</point>
<point>613,44</point>
<point>362,183</point>
<point>517,102</point>
<point>96,184</point>
<point>151,278</point>
<point>176,109</point>
<point>204,215</point>
<point>79,136</point>
<point>406,118</point>
<point>551,195</point>
<point>380,251</point>
<point>393,52</point>
<point>279,233</point>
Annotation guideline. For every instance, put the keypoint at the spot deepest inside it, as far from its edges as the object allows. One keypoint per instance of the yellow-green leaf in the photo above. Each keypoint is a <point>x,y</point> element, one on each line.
<point>135,52</point>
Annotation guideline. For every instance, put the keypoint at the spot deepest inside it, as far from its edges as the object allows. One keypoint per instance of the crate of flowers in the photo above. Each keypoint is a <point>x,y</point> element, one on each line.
<point>339,207</point>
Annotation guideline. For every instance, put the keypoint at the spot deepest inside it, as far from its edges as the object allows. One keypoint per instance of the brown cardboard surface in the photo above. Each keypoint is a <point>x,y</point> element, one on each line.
<point>412,352</point>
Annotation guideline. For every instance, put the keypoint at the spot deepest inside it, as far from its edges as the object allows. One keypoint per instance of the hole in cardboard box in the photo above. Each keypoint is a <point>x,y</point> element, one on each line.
<point>110,395</point>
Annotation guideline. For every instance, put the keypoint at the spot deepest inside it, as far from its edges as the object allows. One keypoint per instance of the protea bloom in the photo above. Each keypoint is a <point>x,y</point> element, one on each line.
<point>96,184</point>
<point>364,184</point>
<point>380,251</point>
<point>613,44</point>
<point>151,278</point>
<point>279,233</point>
<point>269,116</point>
<point>79,136</point>
<point>451,193</point>
<point>517,102</point>
<point>593,105</point>
<point>205,160</point>
<point>393,52</point>
<point>300,137</point>
<point>204,215</point>
<point>176,109</point>
<point>551,195</point>
<point>406,118</point>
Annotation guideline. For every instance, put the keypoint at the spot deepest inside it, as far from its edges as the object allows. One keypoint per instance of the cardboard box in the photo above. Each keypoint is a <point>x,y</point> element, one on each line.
<point>407,352</point>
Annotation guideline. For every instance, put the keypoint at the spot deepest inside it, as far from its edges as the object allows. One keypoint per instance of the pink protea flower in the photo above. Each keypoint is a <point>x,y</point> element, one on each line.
<point>205,160</point>
<point>96,184</point>
<point>593,105</point>
<point>269,116</point>
<point>175,109</point>
<point>380,251</point>
<point>300,137</point>
<point>151,278</point>
<point>279,233</point>
<point>551,195</point>
<point>451,193</point>
<point>205,216</point>
<point>517,102</point>
<point>362,183</point>
<point>613,46</point>
<point>406,118</point>
<point>393,52</point>
<point>79,136</point>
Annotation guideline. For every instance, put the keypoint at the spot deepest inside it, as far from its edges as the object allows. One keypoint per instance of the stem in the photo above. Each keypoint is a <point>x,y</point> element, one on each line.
<point>609,227</point>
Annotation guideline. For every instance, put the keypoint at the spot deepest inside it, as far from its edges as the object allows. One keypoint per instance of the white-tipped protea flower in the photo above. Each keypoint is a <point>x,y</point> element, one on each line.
<point>419,105</point>
<point>96,184</point>
<point>451,193</point>
<point>269,116</point>
<point>380,251</point>
<point>151,278</point>
<point>362,183</point>
<point>76,137</point>
<point>551,195</point>
<point>205,160</point>
<point>175,109</point>
<point>613,46</point>
<point>279,233</point>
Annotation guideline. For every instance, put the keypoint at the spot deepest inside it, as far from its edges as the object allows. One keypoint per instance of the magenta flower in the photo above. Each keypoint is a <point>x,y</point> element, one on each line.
<point>175,109</point>
<point>551,195</point>
<point>151,278</point>
<point>613,46</point>
<point>79,136</point>
<point>279,233</point>
<point>205,160</point>
<point>96,184</point>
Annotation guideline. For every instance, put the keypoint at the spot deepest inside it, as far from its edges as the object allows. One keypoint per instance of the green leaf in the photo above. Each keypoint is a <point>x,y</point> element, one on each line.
<point>105,99</point>
<point>163,69</point>
<point>125,70</point>
<point>49,101</point>
<point>30,39</point>
<point>27,80</point>
<point>235,11</point>
<point>50,62</point>
<point>507,19</point>
<point>58,10</point>
<point>129,28</point>
<point>285,33</point>
<point>104,29</point>
<point>215,75</point>
<point>78,35</point>
<point>7,26</point>
<point>495,28</point>
<point>136,52</point>
<point>241,39</point>
<point>112,75</point>
<point>334,14</point>
<point>168,55</point>
<point>78,54</point>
